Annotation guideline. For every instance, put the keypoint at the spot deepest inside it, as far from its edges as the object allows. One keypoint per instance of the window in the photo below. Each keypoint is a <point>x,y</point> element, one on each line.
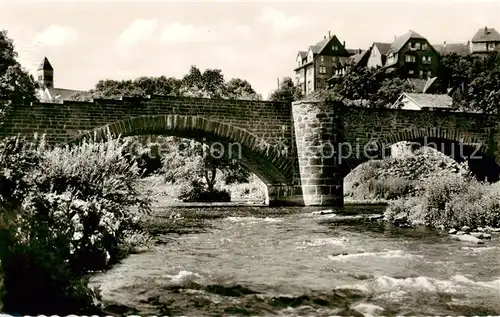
<point>424,46</point>
<point>421,74</point>
<point>319,84</point>
<point>335,47</point>
<point>417,45</point>
<point>322,59</point>
<point>322,69</point>
<point>409,58</point>
<point>411,72</point>
<point>426,59</point>
<point>429,74</point>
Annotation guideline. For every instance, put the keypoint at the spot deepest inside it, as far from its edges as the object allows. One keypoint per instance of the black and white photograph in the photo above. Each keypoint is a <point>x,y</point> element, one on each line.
<point>249,158</point>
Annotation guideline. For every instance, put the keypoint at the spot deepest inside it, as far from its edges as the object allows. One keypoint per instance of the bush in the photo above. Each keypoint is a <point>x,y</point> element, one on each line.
<point>400,176</point>
<point>449,200</point>
<point>198,193</point>
<point>66,212</point>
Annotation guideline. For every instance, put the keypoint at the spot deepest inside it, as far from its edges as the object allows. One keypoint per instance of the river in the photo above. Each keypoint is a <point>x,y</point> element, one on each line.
<point>288,261</point>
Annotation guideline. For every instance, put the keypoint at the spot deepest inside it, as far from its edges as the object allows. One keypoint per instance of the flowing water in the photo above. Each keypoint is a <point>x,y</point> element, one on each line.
<point>292,262</point>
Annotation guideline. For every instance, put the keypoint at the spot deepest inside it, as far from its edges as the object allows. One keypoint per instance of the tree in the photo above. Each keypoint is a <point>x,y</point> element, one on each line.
<point>322,95</point>
<point>476,79</point>
<point>192,162</point>
<point>17,86</point>
<point>209,84</point>
<point>287,92</point>
<point>481,94</point>
<point>389,91</point>
<point>241,89</point>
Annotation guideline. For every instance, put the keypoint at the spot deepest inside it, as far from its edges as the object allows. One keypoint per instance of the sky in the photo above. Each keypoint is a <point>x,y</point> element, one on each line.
<point>87,41</point>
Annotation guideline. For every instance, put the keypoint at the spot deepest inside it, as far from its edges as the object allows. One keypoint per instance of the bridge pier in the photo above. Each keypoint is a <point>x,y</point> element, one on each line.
<point>284,195</point>
<point>317,135</point>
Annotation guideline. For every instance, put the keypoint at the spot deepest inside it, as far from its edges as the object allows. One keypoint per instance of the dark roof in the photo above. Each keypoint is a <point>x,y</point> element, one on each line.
<point>382,47</point>
<point>62,94</point>
<point>457,48</point>
<point>45,65</point>
<point>356,58</point>
<point>302,54</point>
<point>486,35</point>
<point>430,100</point>
<point>352,51</point>
<point>400,41</point>
<point>56,94</point>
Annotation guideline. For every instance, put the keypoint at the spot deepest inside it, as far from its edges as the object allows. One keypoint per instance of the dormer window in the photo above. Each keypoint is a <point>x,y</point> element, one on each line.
<point>424,46</point>
<point>335,47</point>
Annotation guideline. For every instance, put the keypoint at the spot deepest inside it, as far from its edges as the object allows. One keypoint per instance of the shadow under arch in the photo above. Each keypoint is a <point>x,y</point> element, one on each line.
<point>256,155</point>
<point>483,166</point>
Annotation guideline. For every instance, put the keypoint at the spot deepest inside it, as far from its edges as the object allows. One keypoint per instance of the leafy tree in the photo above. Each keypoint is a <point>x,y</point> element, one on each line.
<point>476,79</point>
<point>193,162</point>
<point>481,94</point>
<point>17,86</point>
<point>323,95</point>
<point>375,86</point>
<point>287,92</point>
<point>241,89</point>
<point>209,84</point>
<point>389,91</point>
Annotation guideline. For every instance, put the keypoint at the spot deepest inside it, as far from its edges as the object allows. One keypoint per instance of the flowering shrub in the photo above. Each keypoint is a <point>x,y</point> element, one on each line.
<point>66,211</point>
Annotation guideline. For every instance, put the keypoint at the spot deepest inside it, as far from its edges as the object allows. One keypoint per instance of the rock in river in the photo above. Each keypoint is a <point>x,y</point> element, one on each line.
<point>467,238</point>
<point>323,212</point>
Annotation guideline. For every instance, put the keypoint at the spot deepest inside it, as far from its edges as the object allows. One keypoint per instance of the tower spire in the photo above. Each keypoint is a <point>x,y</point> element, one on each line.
<point>45,74</point>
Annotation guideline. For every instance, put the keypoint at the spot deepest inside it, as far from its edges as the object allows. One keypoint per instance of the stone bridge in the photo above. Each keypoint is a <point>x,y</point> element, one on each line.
<point>301,151</point>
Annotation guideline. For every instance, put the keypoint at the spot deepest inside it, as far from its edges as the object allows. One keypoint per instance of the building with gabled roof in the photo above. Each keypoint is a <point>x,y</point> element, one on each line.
<point>461,49</point>
<point>486,40</point>
<point>412,56</point>
<point>47,92</point>
<point>316,65</point>
<point>423,101</point>
<point>378,54</point>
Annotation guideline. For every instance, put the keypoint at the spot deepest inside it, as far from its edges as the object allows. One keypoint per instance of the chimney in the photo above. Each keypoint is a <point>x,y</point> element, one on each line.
<point>324,37</point>
<point>329,34</point>
<point>343,43</point>
<point>395,37</point>
<point>444,43</point>
<point>485,30</point>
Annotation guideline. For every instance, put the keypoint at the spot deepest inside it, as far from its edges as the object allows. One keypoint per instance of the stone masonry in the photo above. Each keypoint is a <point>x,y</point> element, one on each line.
<point>301,151</point>
<point>317,131</point>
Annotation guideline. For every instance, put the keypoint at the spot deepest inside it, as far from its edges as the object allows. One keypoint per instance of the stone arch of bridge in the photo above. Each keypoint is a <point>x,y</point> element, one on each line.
<point>258,156</point>
<point>458,145</point>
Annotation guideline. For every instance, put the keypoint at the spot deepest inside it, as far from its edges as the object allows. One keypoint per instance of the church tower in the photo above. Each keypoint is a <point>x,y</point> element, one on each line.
<point>45,74</point>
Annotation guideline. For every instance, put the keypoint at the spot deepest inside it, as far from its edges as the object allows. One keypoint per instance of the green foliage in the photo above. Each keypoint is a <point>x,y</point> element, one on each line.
<point>197,192</point>
<point>208,84</point>
<point>449,200</point>
<point>287,92</point>
<point>66,212</point>
<point>323,95</point>
<point>17,86</point>
<point>198,165</point>
<point>477,78</point>
<point>400,176</point>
